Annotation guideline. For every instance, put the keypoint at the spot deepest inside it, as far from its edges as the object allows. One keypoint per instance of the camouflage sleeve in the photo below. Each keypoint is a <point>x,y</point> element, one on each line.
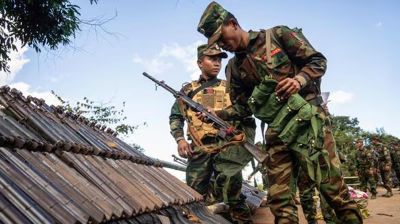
<point>239,108</point>
<point>388,159</point>
<point>356,161</point>
<point>176,122</point>
<point>312,62</point>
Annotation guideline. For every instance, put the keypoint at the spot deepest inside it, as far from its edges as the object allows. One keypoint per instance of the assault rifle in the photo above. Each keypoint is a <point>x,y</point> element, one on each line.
<point>226,131</point>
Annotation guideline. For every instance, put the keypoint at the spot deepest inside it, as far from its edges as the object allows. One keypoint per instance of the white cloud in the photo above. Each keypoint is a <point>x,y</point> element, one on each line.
<point>155,65</point>
<point>16,63</point>
<point>26,89</point>
<point>340,97</point>
<point>185,55</point>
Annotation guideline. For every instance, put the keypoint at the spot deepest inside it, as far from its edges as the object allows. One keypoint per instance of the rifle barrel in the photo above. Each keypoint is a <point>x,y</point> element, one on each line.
<point>223,126</point>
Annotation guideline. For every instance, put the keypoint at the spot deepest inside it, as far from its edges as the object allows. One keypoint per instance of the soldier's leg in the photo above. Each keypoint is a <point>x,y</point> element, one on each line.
<point>229,188</point>
<point>372,183</point>
<point>328,212</point>
<point>228,166</point>
<point>397,171</point>
<point>198,172</point>
<point>281,175</point>
<point>307,192</point>
<point>333,187</point>
<point>363,181</point>
<point>387,182</point>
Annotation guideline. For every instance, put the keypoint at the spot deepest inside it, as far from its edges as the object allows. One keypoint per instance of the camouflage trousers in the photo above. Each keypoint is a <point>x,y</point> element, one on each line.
<point>366,176</point>
<point>283,165</point>
<point>396,168</point>
<point>307,192</point>
<point>218,176</point>
<point>386,175</point>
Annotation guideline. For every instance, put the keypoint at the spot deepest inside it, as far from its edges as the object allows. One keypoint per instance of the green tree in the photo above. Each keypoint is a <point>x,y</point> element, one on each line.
<point>36,23</point>
<point>104,114</point>
<point>345,131</point>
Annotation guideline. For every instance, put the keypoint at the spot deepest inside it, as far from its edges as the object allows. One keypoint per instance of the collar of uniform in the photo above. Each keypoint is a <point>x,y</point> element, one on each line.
<point>203,80</point>
<point>253,37</point>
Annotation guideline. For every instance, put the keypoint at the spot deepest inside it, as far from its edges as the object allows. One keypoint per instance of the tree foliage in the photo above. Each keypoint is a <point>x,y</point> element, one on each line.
<point>102,113</point>
<point>346,130</point>
<point>36,23</point>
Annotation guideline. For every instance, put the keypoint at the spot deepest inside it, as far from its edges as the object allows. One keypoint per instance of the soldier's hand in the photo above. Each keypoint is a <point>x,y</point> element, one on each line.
<point>184,149</point>
<point>287,87</point>
<point>203,117</point>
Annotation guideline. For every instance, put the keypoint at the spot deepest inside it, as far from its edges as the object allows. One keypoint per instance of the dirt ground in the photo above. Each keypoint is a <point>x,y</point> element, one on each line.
<point>381,210</point>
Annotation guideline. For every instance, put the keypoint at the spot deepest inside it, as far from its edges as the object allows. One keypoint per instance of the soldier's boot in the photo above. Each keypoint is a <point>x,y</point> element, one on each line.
<point>373,196</point>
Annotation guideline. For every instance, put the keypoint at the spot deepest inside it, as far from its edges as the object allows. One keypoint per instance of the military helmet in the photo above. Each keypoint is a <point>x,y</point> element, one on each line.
<point>212,50</point>
<point>211,22</point>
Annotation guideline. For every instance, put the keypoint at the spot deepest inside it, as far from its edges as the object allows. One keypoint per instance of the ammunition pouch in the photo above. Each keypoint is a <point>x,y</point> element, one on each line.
<point>296,122</point>
<point>263,102</point>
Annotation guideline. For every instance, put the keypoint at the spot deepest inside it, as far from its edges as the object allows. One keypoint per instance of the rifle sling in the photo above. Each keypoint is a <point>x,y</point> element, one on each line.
<point>203,86</point>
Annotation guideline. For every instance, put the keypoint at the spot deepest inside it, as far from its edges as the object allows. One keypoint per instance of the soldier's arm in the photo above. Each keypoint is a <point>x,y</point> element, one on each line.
<point>388,159</point>
<point>239,108</point>
<point>312,62</point>
<point>176,122</point>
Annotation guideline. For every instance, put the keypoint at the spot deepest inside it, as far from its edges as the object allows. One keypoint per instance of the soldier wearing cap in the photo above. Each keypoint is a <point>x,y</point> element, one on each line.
<point>384,164</point>
<point>285,56</point>
<point>214,166</point>
<point>365,164</point>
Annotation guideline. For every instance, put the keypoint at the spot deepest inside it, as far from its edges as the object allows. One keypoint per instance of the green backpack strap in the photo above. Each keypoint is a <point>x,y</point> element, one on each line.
<point>269,37</point>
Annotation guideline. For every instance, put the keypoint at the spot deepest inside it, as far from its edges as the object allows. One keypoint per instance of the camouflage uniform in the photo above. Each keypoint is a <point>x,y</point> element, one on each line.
<point>290,56</point>
<point>307,192</point>
<point>365,164</point>
<point>395,155</point>
<point>216,175</point>
<point>385,166</point>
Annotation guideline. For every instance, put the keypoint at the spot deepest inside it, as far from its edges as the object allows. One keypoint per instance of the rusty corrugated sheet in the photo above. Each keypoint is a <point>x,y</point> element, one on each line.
<point>56,167</point>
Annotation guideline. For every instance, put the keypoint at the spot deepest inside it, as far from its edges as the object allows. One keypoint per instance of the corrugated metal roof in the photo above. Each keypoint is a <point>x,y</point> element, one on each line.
<point>56,167</point>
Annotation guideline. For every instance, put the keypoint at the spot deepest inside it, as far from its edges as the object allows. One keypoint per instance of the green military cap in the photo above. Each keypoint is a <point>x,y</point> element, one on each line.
<point>211,22</point>
<point>214,49</point>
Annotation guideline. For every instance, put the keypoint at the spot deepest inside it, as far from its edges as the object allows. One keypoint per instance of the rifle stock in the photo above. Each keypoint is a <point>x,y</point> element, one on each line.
<point>226,131</point>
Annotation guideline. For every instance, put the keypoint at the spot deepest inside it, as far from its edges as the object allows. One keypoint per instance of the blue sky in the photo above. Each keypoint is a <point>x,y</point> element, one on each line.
<point>359,38</point>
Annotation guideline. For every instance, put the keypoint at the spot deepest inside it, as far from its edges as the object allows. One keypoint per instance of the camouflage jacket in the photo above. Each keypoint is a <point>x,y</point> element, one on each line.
<point>365,159</point>
<point>395,154</point>
<point>383,154</point>
<point>291,55</point>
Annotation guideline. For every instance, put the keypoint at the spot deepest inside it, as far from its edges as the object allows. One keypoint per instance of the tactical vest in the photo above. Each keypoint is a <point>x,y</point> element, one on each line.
<point>215,97</point>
